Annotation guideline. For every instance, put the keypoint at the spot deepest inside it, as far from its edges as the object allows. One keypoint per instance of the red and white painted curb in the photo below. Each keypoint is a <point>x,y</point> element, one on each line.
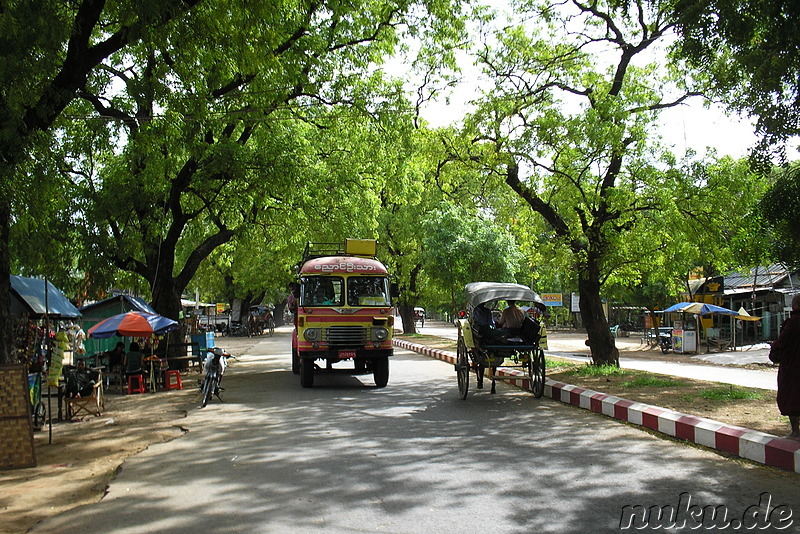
<point>756,446</point>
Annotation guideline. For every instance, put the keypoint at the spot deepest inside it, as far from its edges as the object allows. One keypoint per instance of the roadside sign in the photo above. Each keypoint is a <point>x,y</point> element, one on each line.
<point>552,299</point>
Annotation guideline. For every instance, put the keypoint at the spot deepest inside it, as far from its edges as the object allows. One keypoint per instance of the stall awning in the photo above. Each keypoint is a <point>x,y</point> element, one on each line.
<point>28,297</point>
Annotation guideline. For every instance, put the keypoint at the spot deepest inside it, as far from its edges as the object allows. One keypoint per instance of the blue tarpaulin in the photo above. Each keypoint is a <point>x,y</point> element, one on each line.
<point>28,297</point>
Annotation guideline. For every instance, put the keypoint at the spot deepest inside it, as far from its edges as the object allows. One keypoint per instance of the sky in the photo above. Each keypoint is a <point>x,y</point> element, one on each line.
<point>689,126</point>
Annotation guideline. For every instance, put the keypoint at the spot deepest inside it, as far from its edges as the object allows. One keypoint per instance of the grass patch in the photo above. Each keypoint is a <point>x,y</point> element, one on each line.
<point>730,393</point>
<point>557,364</point>
<point>596,370</point>
<point>648,381</point>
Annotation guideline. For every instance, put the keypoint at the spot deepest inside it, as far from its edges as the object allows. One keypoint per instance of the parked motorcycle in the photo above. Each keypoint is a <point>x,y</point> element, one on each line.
<point>236,328</point>
<point>665,341</point>
<point>214,366</point>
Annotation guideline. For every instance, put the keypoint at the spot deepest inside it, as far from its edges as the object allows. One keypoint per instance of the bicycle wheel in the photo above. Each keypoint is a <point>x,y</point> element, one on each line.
<point>271,327</point>
<point>209,385</point>
<point>39,415</point>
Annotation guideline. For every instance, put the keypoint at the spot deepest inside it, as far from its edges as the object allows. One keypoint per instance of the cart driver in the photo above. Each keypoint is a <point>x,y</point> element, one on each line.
<point>482,317</point>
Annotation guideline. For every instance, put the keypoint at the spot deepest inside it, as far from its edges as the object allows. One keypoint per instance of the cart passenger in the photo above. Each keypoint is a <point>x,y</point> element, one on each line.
<point>512,317</point>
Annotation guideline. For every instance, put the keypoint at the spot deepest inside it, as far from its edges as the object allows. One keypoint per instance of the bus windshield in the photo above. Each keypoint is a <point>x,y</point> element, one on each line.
<point>321,291</point>
<point>368,291</point>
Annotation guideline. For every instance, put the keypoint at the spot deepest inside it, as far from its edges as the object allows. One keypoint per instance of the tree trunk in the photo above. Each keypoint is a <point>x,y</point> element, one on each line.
<point>600,342</point>
<point>407,317</point>
<point>5,284</point>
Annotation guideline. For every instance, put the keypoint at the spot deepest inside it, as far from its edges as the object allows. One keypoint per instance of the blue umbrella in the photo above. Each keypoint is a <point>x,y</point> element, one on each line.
<point>133,324</point>
<point>699,308</point>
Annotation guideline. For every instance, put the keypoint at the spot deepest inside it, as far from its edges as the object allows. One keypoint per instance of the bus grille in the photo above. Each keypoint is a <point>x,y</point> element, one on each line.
<point>345,336</point>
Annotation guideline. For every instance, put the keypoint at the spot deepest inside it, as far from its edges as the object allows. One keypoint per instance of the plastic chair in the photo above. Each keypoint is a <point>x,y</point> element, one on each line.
<point>136,384</point>
<point>173,380</point>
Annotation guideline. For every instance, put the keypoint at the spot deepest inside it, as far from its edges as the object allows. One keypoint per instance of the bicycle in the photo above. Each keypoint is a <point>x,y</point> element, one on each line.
<point>38,409</point>
<point>214,366</point>
<point>271,326</point>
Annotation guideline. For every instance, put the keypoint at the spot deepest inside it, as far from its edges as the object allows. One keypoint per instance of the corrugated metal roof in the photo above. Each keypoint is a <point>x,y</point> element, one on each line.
<point>764,277</point>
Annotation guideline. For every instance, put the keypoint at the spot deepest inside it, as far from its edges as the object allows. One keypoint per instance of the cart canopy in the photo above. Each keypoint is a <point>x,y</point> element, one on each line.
<point>480,292</point>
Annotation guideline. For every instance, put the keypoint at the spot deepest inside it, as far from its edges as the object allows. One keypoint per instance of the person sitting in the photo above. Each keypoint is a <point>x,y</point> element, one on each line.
<point>482,318</point>
<point>114,358</point>
<point>511,318</point>
<point>134,361</point>
<point>80,380</point>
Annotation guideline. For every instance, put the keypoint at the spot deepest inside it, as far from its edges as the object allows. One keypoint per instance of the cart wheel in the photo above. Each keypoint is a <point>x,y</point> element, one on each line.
<point>536,372</point>
<point>462,368</point>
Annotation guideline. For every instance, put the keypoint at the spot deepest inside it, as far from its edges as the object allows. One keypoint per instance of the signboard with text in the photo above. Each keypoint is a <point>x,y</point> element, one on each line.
<point>552,299</point>
<point>575,303</point>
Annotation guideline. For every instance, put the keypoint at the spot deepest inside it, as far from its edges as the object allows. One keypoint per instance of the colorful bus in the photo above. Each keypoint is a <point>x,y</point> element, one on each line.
<point>345,313</point>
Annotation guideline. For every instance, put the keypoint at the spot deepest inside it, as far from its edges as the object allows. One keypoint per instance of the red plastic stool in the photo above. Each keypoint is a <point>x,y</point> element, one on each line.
<point>135,384</point>
<point>174,380</point>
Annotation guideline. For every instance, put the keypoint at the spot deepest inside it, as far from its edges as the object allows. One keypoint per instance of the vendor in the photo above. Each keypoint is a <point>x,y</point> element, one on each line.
<point>116,357</point>
<point>80,380</point>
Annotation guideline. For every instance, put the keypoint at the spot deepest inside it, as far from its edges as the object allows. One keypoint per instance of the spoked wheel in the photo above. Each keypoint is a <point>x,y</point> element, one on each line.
<point>536,372</point>
<point>462,368</point>
<point>39,415</point>
<point>271,327</point>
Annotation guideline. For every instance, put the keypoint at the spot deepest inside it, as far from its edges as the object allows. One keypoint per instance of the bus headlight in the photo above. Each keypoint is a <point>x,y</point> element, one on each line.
<point>311,334</point>
<point>379,334</point>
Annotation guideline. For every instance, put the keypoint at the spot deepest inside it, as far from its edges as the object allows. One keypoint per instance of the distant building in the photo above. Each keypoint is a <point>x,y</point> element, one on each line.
<point>764,292</point>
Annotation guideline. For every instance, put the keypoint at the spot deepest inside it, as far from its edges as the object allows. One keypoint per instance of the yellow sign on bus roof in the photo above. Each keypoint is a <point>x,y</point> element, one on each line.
<point>361,247</point>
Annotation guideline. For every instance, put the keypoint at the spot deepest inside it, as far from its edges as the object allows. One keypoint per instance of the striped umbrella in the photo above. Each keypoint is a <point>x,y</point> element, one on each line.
<point>132,324</point>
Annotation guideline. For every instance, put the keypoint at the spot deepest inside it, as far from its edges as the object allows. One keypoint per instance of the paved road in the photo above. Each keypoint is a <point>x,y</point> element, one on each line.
<point>757,378</point>
<point>345,457</point>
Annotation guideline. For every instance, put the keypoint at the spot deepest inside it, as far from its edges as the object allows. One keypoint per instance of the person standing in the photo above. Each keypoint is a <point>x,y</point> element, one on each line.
<point>786,353</point>
<point>291,299</point>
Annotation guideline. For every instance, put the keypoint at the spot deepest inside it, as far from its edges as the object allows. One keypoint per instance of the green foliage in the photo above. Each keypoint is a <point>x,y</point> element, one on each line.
<point>778,211</point>
<point>462,247</point>
<point>252,127</point>
<point>746,51</point>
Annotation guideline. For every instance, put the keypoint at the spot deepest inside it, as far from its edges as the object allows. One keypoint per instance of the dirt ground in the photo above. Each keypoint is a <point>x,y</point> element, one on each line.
<point>85,455</point>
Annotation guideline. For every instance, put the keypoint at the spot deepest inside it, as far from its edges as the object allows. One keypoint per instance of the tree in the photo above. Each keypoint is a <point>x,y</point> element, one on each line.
<point>462,247</point>
<point>778,211</point>
<point>48,50</point>
<point>573,140</point>
<point>745,52</point>
<point>220,135</point>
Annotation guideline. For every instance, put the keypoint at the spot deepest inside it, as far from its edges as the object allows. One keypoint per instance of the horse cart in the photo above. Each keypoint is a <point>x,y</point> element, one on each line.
<point>481,347</point>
